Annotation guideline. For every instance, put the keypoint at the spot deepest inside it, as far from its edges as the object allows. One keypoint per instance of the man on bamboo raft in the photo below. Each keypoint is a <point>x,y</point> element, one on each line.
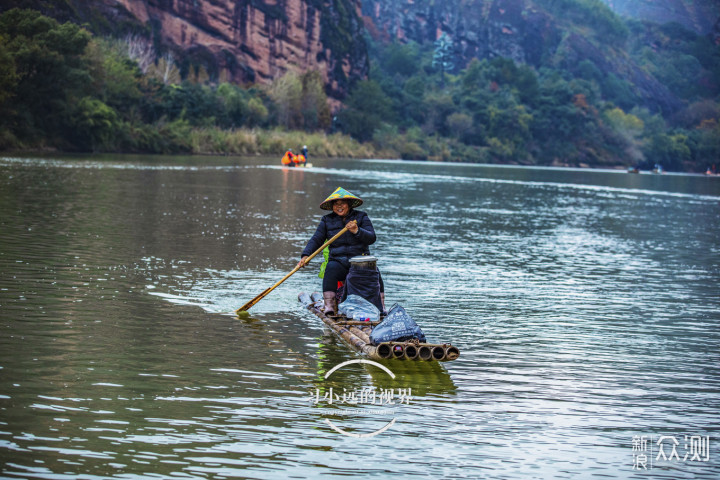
<point>354,242</point>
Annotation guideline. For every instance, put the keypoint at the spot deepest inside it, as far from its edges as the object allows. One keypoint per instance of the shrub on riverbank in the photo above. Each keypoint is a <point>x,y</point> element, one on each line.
<point>214,141</point>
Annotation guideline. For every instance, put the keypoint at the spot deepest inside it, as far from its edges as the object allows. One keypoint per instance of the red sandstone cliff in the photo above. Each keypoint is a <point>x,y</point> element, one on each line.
<point>256,41</point>
<point>245,41</point>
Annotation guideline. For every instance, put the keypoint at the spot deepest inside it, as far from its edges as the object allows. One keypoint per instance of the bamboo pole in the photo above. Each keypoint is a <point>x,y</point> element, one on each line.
<point>298,267</point>
<point>353,340</point>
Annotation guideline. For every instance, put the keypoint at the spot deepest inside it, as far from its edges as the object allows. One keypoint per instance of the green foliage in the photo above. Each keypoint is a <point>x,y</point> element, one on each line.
<point>286,92</point>
<point>8,74</point>
<point>314,105</point>
<point>399,59</point>
<point>706,143</point>
<point>368,108</point>
<point>114,75</point>
<point>257,112</point>
<point>44,55</point>
<point>438,106</point>
<point>412,110</point>
<point>624,122</point>
<point>668,150</point>
<point>618,91</point>
<point>300,101</point>
<point>443,56</point>
<point>587,70</point>
<point>93,124</point>
<point>521,78</point>
<point>687,63</point>
<point>60,87</point>
<point>595,14</point>
<point>235,105</point>
<point>459,124</point>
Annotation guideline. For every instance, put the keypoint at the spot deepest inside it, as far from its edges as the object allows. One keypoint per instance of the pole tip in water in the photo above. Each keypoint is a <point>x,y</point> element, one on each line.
<point>243,313</point>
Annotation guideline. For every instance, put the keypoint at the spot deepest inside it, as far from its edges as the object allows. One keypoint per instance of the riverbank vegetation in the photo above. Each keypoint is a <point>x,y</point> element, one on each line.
<point>63,88</point>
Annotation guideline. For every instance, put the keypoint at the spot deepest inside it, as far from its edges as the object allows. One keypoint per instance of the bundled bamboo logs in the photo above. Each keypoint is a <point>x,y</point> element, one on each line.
<point>357,335</point>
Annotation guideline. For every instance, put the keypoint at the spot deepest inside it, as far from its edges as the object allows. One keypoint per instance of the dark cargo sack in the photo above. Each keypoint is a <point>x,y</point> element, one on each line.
<point>363,283</point>
<point>398,326</point>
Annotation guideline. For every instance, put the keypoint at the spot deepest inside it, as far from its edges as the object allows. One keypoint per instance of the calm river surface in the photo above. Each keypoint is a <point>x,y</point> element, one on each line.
<point>585,305</point>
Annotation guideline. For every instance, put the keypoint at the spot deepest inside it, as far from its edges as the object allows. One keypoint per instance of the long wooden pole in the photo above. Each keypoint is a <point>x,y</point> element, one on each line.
<point>298,267</point>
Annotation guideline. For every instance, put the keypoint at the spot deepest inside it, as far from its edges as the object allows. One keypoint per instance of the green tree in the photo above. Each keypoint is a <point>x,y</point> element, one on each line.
<point>438,107</point>
<point>558,125</point>
<point>93,125</point>
<point>413,105</point>
<point>50,69</point>
<point>115,77</point>
<point>459,124</point>
<point>627,123</point>
<point>443,58</point>
<point>257,112</point>
<point>367,109</point>
<point>618,91</point>
<point>8,75</point>
<point>286,93</point>
<point>629,129</point>
<point>314,104</point>
<point>669,150</point>
<point>707,144</point>
<point>522,80</point>
<point>401,59</point>
<point>235,106</point>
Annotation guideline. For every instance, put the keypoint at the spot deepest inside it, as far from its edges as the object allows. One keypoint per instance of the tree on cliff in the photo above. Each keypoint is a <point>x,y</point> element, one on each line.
<point>443,56</point>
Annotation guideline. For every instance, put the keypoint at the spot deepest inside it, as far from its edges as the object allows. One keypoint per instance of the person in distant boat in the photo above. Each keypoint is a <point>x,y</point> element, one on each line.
<point>356,241</point>
<point>299,160</point>
<point>288,159</point>
<point>304,151</point>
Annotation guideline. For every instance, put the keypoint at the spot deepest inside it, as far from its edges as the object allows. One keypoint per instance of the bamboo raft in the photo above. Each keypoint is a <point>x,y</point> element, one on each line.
<point>357,335</point>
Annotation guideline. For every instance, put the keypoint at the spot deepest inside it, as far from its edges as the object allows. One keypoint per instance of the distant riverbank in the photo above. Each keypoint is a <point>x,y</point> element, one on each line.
<point>181,138</point>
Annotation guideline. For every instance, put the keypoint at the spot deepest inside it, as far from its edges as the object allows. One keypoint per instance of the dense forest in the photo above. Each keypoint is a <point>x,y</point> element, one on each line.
<point>63,88</point>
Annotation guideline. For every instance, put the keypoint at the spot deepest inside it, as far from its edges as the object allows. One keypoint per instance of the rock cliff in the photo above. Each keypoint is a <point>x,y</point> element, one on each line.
<point>259,40</point>
<point>479,29</point>
<point>527,31</point>
<point>698,15</point>
<point>244,41</point>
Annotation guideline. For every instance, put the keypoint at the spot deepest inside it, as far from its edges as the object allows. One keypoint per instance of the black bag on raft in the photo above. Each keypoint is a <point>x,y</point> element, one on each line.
<point>398,326</point>
<point>365,284</point>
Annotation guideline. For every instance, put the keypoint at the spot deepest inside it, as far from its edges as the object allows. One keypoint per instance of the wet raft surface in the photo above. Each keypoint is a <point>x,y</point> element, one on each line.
<point>357,335</point>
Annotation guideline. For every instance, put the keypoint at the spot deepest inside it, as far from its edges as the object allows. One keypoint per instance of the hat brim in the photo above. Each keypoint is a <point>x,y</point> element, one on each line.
<point>353,202</point>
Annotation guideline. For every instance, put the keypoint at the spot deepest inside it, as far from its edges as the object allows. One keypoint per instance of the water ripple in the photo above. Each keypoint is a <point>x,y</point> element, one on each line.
<point>584,304</point>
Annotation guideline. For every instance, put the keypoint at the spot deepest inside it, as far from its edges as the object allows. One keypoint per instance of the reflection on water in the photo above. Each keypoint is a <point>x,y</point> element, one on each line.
<point>584,303</point>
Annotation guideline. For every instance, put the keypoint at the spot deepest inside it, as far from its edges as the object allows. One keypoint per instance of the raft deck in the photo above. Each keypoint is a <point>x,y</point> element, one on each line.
<point>357,335</point>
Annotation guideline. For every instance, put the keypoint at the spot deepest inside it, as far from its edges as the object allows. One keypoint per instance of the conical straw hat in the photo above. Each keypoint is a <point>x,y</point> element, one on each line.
<point>341,194</point>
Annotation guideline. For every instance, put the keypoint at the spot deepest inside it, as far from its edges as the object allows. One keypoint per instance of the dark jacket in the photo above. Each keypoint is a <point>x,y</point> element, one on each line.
<point>348,245</point>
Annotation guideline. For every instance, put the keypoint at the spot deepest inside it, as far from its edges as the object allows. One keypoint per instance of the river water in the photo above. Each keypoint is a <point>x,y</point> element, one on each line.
<point>584,303</point>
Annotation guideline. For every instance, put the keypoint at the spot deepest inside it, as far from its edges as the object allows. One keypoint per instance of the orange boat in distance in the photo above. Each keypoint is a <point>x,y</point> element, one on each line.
<point>292,160</point>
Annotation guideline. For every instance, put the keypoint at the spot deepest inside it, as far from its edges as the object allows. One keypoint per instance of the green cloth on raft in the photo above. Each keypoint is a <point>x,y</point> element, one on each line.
<point>326,256</point>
